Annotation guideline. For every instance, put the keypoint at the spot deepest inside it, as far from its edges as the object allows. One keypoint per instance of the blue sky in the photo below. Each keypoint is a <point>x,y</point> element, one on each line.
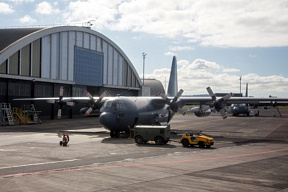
<point>215,42</point>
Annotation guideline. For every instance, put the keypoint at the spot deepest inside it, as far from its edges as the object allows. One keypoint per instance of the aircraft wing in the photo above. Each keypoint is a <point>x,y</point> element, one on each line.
<point>235,100</point>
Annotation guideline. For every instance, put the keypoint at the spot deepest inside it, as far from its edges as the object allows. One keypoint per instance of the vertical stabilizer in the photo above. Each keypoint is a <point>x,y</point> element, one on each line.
<point>246,90</point>
<point>173,81</point>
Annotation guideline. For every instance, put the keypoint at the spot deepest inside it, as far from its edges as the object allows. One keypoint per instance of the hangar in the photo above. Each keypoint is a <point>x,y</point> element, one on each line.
<point>35,62</point>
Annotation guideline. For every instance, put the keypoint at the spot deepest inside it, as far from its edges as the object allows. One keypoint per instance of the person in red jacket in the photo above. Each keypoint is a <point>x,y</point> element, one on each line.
<point>65,140</point>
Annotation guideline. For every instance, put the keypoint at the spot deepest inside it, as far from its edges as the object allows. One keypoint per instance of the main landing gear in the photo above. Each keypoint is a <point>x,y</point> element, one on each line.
<point>114,134</point>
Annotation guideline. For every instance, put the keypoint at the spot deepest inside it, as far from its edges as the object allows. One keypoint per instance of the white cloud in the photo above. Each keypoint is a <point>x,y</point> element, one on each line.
<point>241,23</point>
<point>46,8</point>
<point>194,77</point>
<point>169,53</point>
<point>27,19</point>
<point>21,1</point>
<point>230,70</point>
<point>5,8</point>
<point>181,48</point>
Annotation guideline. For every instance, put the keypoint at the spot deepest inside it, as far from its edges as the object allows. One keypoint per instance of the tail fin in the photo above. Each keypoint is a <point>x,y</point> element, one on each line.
<point>173,81</point>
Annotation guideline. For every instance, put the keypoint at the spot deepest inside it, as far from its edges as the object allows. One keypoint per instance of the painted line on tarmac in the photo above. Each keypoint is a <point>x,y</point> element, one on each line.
<point>141,164</point>
<point>33,164</point>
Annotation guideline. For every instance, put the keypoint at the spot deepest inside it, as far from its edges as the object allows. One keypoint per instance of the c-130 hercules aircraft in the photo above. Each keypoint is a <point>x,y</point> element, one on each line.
<point>119,114</point>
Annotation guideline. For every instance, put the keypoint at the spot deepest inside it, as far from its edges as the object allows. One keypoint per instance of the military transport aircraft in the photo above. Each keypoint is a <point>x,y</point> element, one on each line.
<point>120,114</point>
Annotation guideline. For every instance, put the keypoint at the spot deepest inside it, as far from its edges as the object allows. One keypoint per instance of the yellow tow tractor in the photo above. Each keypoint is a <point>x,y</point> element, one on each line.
<point>189,139</point>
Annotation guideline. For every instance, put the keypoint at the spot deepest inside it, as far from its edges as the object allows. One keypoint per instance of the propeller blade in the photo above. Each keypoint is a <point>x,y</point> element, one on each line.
<point>88,95</point>
<point>223,113</point>
<point>163,96</point>
<point>178,95</point>
<point>101,97</point>
<point>164,113</point>
<point>71,104</point>
<point>59,114</point>
<point>228,96</point>
<point>88,111</point>
<point>52,101</point>
<point>180,110</point>
<point>61,91</point>
<point>209,90</point>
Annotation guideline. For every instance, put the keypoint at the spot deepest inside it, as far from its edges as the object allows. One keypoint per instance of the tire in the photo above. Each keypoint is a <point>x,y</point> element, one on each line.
<point>208,146</point>
<point>185,143</point>
<point>201,145</point>
<point>117,134</point>
<point>159,140</point>
<point>112,134</point>
<point>139,139</point>
<point>165,142</point>
<point>60,143</point>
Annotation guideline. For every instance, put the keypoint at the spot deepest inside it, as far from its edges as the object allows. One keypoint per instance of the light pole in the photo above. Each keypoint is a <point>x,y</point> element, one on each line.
<point>240,85</point>
<point>144,55</point>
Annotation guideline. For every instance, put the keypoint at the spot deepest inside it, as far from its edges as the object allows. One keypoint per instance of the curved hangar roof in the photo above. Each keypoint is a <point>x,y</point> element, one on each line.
<point>66,54</point>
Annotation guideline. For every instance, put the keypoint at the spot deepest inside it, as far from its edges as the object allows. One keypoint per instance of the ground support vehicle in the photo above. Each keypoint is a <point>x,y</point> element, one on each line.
<point>158,133</point>
<point>189,139</point>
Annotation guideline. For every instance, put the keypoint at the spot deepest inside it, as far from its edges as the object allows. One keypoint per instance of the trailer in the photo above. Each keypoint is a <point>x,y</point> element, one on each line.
<point>158,133</point>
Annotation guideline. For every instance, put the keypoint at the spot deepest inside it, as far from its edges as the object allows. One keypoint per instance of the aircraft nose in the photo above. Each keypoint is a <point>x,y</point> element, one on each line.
<point>105,119</point>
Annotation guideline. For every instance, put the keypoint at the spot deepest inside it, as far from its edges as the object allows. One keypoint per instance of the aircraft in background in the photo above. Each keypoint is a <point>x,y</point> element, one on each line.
<point>118,114</point>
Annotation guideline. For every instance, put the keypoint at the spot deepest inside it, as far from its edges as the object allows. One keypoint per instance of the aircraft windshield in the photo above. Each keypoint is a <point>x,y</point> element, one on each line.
<point>118,104</point>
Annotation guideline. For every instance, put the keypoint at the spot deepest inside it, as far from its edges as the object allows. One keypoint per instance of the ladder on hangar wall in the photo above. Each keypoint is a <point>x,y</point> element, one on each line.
<point>6,114</point>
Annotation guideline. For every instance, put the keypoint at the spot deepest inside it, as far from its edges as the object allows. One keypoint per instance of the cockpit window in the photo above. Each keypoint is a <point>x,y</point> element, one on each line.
<point>118,104</point>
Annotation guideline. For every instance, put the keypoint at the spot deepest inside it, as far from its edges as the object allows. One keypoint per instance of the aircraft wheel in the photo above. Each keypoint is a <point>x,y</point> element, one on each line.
<point>201,145</point>
<point>112,134</point>
<point>139,139</point>
<point>185,143</point>
<point>117,134</point>
<point>159,140</point>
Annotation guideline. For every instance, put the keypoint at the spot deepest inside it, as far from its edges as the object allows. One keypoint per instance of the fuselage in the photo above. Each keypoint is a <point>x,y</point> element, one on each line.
<point>122,113</point>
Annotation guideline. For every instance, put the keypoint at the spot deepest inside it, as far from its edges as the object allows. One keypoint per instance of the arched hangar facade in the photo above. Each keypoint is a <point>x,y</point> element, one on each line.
<point>35,62</point>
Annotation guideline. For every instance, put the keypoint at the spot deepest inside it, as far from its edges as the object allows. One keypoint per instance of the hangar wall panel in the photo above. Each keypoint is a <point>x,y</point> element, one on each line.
<point>3,67</point>
<point>110,65</point>
<point>55,54</point>
<point>99,44</point>
<point>86,41</point>
<point>14,64</point>
<point>88,67</point>
<point>120,71</point>
<point>115,68</point>
<point>45,57</point>
<point>79,39</point>
<point>64,56</point>
<point>36,58</point>
<point>93,42</point>
<point>25,60</point>
<point>71,44</point>
<point>105,63</point>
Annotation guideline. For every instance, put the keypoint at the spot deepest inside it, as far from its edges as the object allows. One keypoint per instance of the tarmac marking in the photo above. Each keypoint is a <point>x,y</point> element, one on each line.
<point>190,124</point>
<point>140,164</point>
<point>27,165</point>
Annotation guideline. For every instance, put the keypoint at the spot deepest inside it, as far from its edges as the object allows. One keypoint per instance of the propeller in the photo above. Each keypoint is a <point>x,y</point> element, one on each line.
<point>218,104</point>
<point>92,103</point>
<point>173,104</point>
<point>60,102</point>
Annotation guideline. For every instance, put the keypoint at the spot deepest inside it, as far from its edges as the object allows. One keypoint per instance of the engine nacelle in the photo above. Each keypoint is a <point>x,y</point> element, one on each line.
<point>199,113</point>
<point>83,110</point>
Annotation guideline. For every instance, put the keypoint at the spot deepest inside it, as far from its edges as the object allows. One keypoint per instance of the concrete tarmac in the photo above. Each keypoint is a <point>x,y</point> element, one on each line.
<point>250,154</point>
